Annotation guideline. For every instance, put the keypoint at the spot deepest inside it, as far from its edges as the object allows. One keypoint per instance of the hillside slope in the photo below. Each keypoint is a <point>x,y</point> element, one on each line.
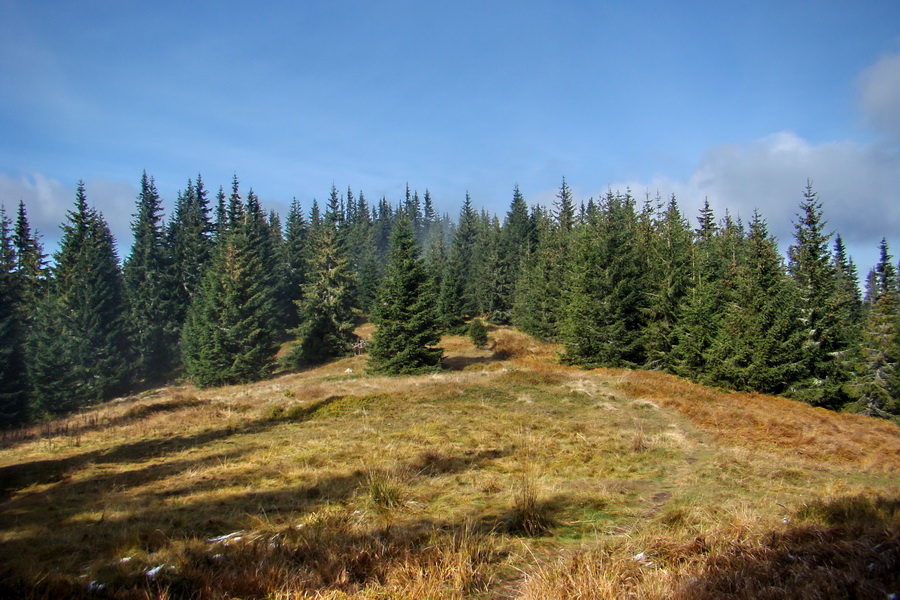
<point>505,476</point>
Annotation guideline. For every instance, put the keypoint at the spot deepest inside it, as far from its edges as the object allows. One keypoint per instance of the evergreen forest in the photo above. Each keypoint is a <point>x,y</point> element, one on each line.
<point>223,292</point>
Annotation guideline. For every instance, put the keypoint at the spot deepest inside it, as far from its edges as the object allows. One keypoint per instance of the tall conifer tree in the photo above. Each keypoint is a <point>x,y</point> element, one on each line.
<point>32,271</point>
<point>81,351</point>
<point>190,240</point>
<point>326,312</point>
<point>228,336</point>
<point>758,347</point>
<point>878,387</point>
<point>512,248</point>
<point>13,380</point>
<point>827,339</point>
<point>150,289</point>
<point>604,297</point>
<point>404,311</point>
<point>700,311</point>
<point>668,267</point>
<point>457,297</point>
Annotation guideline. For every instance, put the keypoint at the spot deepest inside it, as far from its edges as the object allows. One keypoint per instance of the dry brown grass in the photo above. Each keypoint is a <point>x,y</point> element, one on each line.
<point>504,476</point>
<point>855,553</point>
<point>774,424</point>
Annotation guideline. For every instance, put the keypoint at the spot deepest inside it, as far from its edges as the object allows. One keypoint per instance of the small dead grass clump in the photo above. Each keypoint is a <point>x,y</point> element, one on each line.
<point>510,344</point>
<point>385,490</point>
<point>529,516</point>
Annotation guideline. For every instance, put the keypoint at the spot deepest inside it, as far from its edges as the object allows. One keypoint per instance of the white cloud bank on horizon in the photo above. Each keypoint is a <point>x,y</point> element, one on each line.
<point>47,202</point>
<point>857,182</point>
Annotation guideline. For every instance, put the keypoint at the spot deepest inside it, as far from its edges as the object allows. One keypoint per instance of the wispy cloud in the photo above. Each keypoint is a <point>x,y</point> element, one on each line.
<point>47,201</point>
<point>880,95</point>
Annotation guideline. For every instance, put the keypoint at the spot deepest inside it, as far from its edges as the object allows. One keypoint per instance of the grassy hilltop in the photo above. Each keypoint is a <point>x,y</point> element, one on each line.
<point>505,476</point>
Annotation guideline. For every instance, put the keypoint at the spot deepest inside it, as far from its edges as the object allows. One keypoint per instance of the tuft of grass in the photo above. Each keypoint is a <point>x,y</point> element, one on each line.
<point>385,490</point>
<point>529,516</point>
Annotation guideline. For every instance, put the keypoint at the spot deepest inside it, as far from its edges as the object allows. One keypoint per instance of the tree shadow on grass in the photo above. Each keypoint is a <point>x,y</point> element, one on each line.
<point>460,363</point>
<point>21,475</point>
<point>851,549</point>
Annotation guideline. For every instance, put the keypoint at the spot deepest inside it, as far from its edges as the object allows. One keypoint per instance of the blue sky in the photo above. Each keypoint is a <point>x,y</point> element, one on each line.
<point>739,102</point>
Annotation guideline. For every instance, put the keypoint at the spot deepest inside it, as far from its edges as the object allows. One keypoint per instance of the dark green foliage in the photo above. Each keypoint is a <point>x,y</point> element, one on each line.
<point>824,313</point>
<point>667,265</point>
<point>296,258</point>
<point>264,240</point>
<point>80,352</point>
<point>13,380</point>
<point>228,336</point>
<point>478,333</point>
<point>151,291</point>
<point>221,224</point>
<point>617,286</point>
<point>759,346</point>
<point>32,272</point>
<point>604,295</point>
<point>457,298</point>
<point>878,386</point>
<point>365,259</point>
<point>564,208</point>
<point>283,304</point>
<point>326,311</point>
<point>189,237</point>
<point>485,263</point>
<point>234,211</point>
<point>847,286</point>
<point>513,246</point>
<point>404,311</point>
<point>539,307</point>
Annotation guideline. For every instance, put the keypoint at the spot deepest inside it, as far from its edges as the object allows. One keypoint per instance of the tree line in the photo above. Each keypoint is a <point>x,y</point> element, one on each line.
<point>214,292</point>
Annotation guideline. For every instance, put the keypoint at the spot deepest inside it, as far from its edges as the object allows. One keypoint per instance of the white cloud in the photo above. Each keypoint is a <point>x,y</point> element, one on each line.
<point>880,95</point>
<point>858,184</point>
<point>48,200</point>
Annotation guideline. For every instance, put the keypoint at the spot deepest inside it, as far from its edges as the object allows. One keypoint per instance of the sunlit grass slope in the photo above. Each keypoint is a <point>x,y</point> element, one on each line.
<point>505,476</point>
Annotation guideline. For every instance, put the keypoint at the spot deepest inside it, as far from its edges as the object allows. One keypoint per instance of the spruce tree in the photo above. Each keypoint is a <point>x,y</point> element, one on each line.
<point>604,296</point>
<point>669,274</point>
<point>878,386</point>
<point>81,352</point>
<point>228,337</point>
<point>404,311</point>
<point>457,298</point>
<point>326,311</point>
<point>190,242</point>
<point>296,256</point>
<point>262,240</point>
<point>827,339</point>
<point>847,287</point>
<point>512,248</point>
<point>758,347</point>
<point>13,380</point>
<point>478,333</point>
<point>700,310</point>
<point>485,262</point>
<point>150,289</point>
<point>363,252</point>
<point>539,307</point>
<point>32,271</point>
